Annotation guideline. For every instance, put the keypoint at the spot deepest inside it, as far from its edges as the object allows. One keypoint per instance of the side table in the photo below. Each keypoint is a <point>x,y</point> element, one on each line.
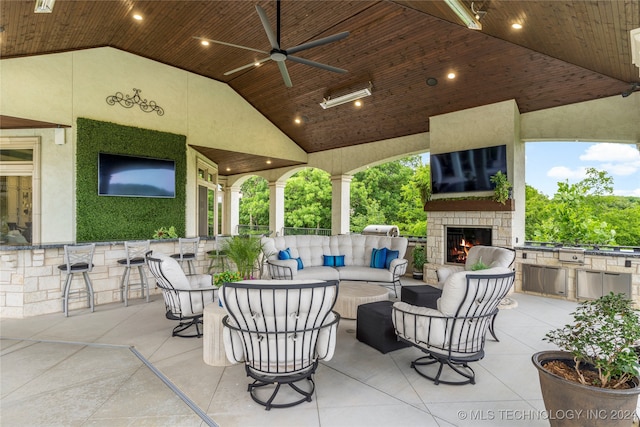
<point>212,342</point>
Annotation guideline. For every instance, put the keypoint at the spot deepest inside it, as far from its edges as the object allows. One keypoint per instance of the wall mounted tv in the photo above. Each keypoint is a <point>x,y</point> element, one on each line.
<point>468,170</point>
<point>130,176</point>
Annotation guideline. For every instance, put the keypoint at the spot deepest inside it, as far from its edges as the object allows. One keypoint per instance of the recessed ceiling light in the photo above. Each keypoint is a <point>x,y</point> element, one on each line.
<point>204,43</point>
<point>297,120</point>
<point>228,169</point>
<point>432,81</point>
<point>137,17</point>
<point>516,26</point>
<point>358,103</point>
<point>451,76</point>
<point>268,162</point>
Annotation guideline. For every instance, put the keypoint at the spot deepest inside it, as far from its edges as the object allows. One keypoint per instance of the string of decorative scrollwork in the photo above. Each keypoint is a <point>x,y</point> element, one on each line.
<point>128,101</point>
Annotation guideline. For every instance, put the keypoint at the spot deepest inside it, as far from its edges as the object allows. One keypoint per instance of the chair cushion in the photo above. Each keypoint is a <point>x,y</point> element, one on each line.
<point>455,287</point>
<point>173,272</point>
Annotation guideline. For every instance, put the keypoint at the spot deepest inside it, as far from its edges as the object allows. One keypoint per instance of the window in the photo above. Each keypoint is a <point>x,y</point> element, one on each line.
<point>207,213</point>
<point>19,191</point>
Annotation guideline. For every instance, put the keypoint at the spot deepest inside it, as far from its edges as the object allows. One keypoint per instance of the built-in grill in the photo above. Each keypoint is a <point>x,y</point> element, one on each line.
<point>381,230</point>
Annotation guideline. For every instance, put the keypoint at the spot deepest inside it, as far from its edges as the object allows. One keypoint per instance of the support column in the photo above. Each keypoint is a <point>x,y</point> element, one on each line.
<point>340,204</point>
<point>276,207</point>
<point>231,210</point>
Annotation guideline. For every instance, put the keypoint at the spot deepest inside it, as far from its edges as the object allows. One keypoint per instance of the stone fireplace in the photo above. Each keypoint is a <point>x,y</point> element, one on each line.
<point>476,221</point>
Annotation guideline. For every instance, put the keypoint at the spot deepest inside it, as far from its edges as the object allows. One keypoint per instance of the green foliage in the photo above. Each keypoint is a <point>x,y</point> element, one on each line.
<point>573,218</point>
<point>106,218</point>
<point>226,277</point>
<point>419,257</point>
<point>244,251</point>
<point>254,204</point>
<point>307,199</point>
<point>502,187</point>
<point>165,233</point>
<point>603,335</point>
<point>479,265</point>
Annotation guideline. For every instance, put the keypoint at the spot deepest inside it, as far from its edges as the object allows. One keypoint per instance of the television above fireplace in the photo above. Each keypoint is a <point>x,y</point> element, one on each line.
<point>467,170</point>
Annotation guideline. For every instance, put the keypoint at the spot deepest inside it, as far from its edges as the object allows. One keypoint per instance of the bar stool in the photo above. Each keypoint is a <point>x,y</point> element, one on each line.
<point>218,261</point>
<point>188,252</point>
<point>78,259</point>
<point>136,253</point>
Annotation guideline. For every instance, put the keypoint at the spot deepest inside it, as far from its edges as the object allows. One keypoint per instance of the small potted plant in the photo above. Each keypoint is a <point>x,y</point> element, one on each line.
<point>502,191</point>
<point>418,261</point>
<point>244,252</point>
<point>165,233</point>
<point>594,379</point>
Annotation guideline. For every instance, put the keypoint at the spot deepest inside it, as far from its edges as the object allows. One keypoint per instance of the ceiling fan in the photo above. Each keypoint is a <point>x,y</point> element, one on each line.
<point>280,55</point>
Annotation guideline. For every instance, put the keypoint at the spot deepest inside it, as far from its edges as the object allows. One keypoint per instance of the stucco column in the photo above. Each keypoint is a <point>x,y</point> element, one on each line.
<point>276,207</point>
<point>231,209</point>
<point>340,204</point>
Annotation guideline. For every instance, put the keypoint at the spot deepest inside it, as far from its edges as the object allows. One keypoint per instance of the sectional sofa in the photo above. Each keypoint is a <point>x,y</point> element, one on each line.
<point>352,257</point>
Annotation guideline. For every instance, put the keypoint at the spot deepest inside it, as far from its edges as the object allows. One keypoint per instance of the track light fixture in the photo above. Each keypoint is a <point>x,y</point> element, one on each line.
<point>353,96</point>
<point>465,14</point>
<point>44,6</point>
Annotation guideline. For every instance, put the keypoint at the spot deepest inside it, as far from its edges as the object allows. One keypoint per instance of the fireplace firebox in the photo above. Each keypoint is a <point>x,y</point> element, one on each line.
<point>461,239</point>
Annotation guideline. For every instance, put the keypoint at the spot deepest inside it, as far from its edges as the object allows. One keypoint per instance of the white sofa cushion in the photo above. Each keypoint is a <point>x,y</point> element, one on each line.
<point>492,256</point>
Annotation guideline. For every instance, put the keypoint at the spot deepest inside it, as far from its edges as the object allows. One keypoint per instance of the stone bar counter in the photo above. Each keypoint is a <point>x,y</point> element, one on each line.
<point>571,273</point>
<point>31,283</point>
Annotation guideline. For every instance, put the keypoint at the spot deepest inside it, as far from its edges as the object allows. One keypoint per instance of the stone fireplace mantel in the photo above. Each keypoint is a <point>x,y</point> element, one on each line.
<point>472,205</point>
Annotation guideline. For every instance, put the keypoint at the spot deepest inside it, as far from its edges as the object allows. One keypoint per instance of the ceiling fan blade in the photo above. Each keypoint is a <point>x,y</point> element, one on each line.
<point>285,74</point>
<point>253,64</point>
<point>267,27</point>
<point>231,44</point>
<point>319,42</point>
<point>316,64</point>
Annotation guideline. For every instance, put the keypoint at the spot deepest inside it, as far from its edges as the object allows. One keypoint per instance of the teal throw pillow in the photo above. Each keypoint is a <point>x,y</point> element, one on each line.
<point>300,264</point>
<point>286,254</point>
<point>339,260</point>
<point>378,258</point>
<point>391,255</point>
<point>329,261</point>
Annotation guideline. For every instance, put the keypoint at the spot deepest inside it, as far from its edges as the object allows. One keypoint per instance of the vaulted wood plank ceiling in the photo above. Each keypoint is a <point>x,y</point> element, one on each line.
<point>566,52</point>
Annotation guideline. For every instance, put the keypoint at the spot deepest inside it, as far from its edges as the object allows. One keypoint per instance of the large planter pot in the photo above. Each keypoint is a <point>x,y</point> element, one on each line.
<point>571,404</point>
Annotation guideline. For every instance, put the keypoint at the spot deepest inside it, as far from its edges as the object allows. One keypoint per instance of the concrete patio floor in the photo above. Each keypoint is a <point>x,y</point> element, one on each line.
<point>119,366</point>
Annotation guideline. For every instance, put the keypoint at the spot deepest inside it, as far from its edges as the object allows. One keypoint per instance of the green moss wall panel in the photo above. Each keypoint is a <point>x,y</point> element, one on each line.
<point>107,218</point>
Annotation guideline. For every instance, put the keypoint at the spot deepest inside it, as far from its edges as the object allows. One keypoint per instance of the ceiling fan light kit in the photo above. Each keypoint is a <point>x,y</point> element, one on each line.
<point>464,14</point>
<point>350,97</point>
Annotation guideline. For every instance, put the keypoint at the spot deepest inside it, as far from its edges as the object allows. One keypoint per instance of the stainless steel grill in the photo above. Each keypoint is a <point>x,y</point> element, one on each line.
<point>381,230</point>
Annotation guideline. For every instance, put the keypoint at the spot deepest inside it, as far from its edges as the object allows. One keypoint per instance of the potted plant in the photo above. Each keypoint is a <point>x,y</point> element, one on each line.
<point>594,379</point>
<point>418,261</point>
<point>245,252</point>
<point>502,191</point>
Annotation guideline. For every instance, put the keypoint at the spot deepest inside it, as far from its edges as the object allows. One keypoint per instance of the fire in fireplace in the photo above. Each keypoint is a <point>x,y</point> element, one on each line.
<point>461,239</point>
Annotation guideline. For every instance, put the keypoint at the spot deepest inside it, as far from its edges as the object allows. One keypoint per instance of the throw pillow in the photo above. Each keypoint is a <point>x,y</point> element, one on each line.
<point>300,264</point>
<point>329,261</point>
<point>339,260</point>
<point>286,254</point>
<point>391,255</point>
<point>378,258</point>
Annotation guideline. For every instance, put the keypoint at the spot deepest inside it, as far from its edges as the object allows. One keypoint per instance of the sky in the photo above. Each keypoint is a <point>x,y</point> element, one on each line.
<point>548,163</point>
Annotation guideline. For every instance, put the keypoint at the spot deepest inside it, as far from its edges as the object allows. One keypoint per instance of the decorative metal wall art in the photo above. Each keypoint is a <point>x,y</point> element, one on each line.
<point>128,101</point>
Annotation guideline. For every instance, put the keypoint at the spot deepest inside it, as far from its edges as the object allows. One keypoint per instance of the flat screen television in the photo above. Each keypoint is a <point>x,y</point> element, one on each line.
<point>131,176</point>
<point>468,170</point>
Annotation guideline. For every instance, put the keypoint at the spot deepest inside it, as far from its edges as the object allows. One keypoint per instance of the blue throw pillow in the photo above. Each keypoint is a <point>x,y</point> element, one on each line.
<point>391,255</point>
<point>329,261</point>
<point>286,254</point>
<point>378,258</point>
<point>300,264</point>
<point>339,260</point>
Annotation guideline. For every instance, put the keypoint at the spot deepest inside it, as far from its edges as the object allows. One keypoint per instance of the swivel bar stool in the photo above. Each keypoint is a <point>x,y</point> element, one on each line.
<point>136,253</point>
<point>77,259</point>
<point>188,252</point>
